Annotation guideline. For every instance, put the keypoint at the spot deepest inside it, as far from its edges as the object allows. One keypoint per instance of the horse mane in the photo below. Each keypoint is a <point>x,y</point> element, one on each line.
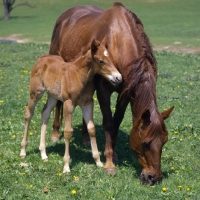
<point>140,81</point>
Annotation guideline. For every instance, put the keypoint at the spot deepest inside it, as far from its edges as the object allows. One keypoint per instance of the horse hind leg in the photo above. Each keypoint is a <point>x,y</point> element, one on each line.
<point>56,124</point>
<point>46,111</point>
<point>33,99</point>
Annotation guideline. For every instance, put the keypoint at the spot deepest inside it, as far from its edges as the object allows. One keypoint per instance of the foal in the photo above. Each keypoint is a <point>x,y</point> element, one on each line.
<point>71,83</point>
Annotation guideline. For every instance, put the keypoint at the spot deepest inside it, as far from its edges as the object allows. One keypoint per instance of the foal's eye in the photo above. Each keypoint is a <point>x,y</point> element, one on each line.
<point>100,62</point>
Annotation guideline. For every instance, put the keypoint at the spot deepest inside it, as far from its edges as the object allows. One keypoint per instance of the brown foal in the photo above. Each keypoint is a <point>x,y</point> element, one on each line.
<point>71,83</point>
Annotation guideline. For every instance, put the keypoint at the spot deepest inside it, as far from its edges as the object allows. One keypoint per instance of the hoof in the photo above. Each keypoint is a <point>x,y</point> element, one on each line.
<point>110,171</point>
<point>22,157</point>
<point>87,144</point>
<point>54,139</point>
<point>45,160</point>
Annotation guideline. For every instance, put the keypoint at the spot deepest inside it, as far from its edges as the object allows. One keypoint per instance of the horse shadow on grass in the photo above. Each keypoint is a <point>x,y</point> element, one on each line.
<point>79,153</point>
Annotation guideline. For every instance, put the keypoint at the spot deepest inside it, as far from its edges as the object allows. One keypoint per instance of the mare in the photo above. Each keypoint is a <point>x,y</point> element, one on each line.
<point>72,83</point>
<point>132,54</point>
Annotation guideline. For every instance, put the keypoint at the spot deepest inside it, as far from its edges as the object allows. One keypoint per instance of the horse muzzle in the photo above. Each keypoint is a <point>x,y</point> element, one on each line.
<point>149,179</point>
<point>115,78</point>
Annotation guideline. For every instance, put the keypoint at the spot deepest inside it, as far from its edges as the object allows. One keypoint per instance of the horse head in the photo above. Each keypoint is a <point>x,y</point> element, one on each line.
<point>147,138</point>
<point>103,64</point>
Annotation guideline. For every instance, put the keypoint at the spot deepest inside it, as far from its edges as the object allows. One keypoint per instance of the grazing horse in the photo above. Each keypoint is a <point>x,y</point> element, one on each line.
<point>132,54</point>
<point>72,83</point>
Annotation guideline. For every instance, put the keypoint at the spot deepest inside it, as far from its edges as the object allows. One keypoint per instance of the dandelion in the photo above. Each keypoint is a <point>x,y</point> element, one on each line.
<point>59,174</point>
<point>175,132</point>
<point>76,178</point>
<point>188,189</point>
<point>30,185</point>
<point>13,136</point>
<point>164,189</point>
<point>73,192</point>
<point>179,187</point>
<point>180,139</point>
<point>94,98</point>
<point>178,86</point>
<point>191,83</point>
<point>172,168</point>
<point>23,173</point>
<point>1,101</point>
<point>30,133</point>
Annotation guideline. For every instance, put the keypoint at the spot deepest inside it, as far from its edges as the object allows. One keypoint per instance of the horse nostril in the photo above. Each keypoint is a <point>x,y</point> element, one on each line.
<point>150,177</point>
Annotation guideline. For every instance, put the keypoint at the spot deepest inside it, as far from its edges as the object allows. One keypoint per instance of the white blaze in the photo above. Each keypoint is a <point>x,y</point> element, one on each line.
<point>105,53</point>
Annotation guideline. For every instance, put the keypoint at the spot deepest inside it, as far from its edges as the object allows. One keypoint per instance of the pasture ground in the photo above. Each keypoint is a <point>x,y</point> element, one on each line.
<point>178,84</point>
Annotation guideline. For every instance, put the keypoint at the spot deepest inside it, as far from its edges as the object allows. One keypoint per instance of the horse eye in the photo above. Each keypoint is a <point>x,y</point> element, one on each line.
<point>100,62</point>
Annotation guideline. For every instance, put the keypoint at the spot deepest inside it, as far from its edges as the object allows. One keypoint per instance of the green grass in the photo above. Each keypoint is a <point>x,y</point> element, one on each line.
<point>165,21</point>
<point>178,84</point>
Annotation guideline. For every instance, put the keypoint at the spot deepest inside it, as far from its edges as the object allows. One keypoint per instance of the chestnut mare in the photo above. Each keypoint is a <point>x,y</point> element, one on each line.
<point>132,54</point>
<point>72,83</point>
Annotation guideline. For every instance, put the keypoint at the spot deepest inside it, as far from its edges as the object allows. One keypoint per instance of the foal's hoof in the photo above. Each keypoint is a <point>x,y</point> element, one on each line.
<point>22,156</point>
<point>54,139</point>
<point>45,160</point>
<point>110,171</point>
<point>87,144</point>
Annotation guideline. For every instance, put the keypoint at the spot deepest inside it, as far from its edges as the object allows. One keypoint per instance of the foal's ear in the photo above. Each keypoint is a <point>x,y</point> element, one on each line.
<point>94,46</point>
<point>166,113</point>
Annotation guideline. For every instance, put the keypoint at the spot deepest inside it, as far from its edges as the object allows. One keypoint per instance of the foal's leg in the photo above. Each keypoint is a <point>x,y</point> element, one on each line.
<point>46,111</point>
<point>56,123</point>
<point>33,99</point>
<point>68,109</point>
<point>88,117</point>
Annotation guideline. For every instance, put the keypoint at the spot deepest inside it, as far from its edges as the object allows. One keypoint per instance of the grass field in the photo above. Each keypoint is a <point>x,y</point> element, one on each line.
<point>166,21</point>
<point>178,84</point>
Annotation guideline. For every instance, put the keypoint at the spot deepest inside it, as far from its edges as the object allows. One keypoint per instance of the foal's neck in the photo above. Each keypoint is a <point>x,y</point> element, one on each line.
<point>85,66</point>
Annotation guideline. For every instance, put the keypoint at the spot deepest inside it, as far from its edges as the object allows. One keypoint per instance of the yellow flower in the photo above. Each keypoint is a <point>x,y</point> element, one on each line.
<point>94,98</point>
<point>179,187</point>
<point>180,139</point>
<point>73,192</point>
<point>30,133</point>
<point>76,178</point>
<point>59,174</point>
<point>30,185</point>
<point>164,189</point>
<point>13,136</point>
<point>175,132</point>
<point>172,168</point>
<point>188,189</point>
<point>1,101</point>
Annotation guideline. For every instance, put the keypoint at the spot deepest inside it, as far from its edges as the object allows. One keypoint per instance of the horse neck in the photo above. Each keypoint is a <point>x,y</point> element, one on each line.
<point>84,67</point>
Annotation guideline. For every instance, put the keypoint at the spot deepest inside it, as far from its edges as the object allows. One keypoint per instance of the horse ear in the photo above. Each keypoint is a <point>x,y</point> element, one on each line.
<point>94,46</point>
<point>146,119</point>
<point>166,113</point>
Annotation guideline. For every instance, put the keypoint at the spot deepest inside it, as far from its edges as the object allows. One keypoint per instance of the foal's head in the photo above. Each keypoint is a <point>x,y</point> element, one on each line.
<point>103,64</point>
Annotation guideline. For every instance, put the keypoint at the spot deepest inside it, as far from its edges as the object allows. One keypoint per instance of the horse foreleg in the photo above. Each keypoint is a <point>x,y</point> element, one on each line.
<point>56,124</point>
<point>46,111</point>
<point>121,106</point>
<point>88,117</point>
<point>68,109</point>
<point>104,101</point>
